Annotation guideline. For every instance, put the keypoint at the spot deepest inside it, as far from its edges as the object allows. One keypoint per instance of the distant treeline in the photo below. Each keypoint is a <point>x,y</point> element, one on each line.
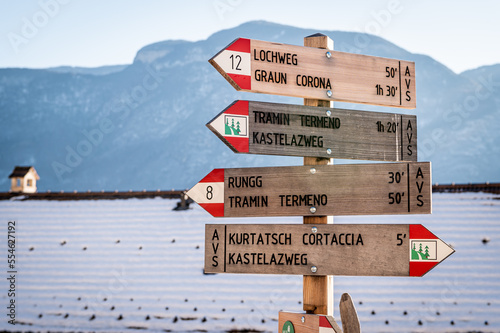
<point>102,195</point>
<point>484,187</point>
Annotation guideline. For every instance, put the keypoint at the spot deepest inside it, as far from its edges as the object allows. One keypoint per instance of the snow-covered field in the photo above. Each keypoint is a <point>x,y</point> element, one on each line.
<point>127,265</point>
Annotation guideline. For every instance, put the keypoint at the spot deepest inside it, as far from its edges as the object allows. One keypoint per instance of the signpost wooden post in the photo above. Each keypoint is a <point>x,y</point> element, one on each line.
<point>294,130</point>
<point>317,291</point>
<point>310,71</point>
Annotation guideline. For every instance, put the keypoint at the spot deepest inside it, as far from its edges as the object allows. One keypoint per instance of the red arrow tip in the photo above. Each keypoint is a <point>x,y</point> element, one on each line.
<point>440,250</point>
<point>237,52</point>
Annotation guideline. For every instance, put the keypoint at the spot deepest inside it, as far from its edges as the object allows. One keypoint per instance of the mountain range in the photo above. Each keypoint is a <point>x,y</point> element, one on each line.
<point>142,126</point>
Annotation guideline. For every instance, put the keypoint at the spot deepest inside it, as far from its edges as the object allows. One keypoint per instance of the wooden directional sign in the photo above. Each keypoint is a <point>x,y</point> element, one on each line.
<point>290,322</point>
<point>280,69</point>
<point>295,130</point>
<point>323,249</point>
<point>348,189</point>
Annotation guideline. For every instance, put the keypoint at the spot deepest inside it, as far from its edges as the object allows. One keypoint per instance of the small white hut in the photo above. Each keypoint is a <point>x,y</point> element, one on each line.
<point>23,179</point>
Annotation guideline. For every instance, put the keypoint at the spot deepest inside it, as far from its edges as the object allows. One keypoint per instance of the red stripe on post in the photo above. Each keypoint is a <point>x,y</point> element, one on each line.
<point>240,144</point>
<point>323,322</point>
<point>239,108</point>
<point>418,231</point>
<point>243,81</point>
<point>215,176</point>
<point>215,209</point>
<point>240,45</point>
<point>418,268</point>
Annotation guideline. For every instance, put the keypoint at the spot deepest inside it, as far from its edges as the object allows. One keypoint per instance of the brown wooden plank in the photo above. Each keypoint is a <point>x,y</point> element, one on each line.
<point>369,250</point>
<point>327,249</point>
<point>308,72</point>
<point>348,189</point>
<point>296,130</point>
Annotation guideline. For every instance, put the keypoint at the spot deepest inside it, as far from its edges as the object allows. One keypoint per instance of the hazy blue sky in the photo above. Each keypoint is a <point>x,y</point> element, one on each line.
<point>90,33</point>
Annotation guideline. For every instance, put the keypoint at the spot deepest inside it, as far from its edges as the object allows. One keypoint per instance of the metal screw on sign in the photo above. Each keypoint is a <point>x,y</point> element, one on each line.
<point>314,269</point>
<point>312,170</point>
<point>328,113</point>
<point>312,210</point>
<point>303,319</point>
<point>328,54</point>
<point>314,230</point>
<point>329,151</point>
<point>329,93</point>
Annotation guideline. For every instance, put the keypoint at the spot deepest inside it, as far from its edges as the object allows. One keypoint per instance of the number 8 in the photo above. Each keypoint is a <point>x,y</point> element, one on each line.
<point>210,194</point>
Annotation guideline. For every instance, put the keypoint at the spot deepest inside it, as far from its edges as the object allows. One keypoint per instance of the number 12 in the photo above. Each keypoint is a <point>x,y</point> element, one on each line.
<point>236,58</point>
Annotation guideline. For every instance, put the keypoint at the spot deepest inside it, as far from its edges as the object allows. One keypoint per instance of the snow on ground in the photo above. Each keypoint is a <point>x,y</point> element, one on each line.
<point>127,265</point>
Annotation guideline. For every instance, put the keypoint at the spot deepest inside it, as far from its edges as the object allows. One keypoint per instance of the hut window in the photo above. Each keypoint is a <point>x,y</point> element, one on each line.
<point>29,182</point>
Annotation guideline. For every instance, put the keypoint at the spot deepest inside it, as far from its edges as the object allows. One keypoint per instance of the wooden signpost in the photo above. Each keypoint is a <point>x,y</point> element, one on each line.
<point>290,70</point>
<point>330,249</point>
<point>294,130</point>
<point>348,189</point>
<point>290,322</point>
<point>318,250</point>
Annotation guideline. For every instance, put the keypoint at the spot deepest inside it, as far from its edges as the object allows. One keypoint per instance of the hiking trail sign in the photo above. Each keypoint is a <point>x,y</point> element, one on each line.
<point>323,249</point>
<point>295,130</point>
<point>320,190</point>
<point>308,72</point>
<point>290,322</point>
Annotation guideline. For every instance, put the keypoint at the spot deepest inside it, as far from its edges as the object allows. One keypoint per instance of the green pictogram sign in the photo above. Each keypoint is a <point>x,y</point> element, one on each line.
<point>423,250</point>
<point>235,125</point>
<point>288,327</point>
